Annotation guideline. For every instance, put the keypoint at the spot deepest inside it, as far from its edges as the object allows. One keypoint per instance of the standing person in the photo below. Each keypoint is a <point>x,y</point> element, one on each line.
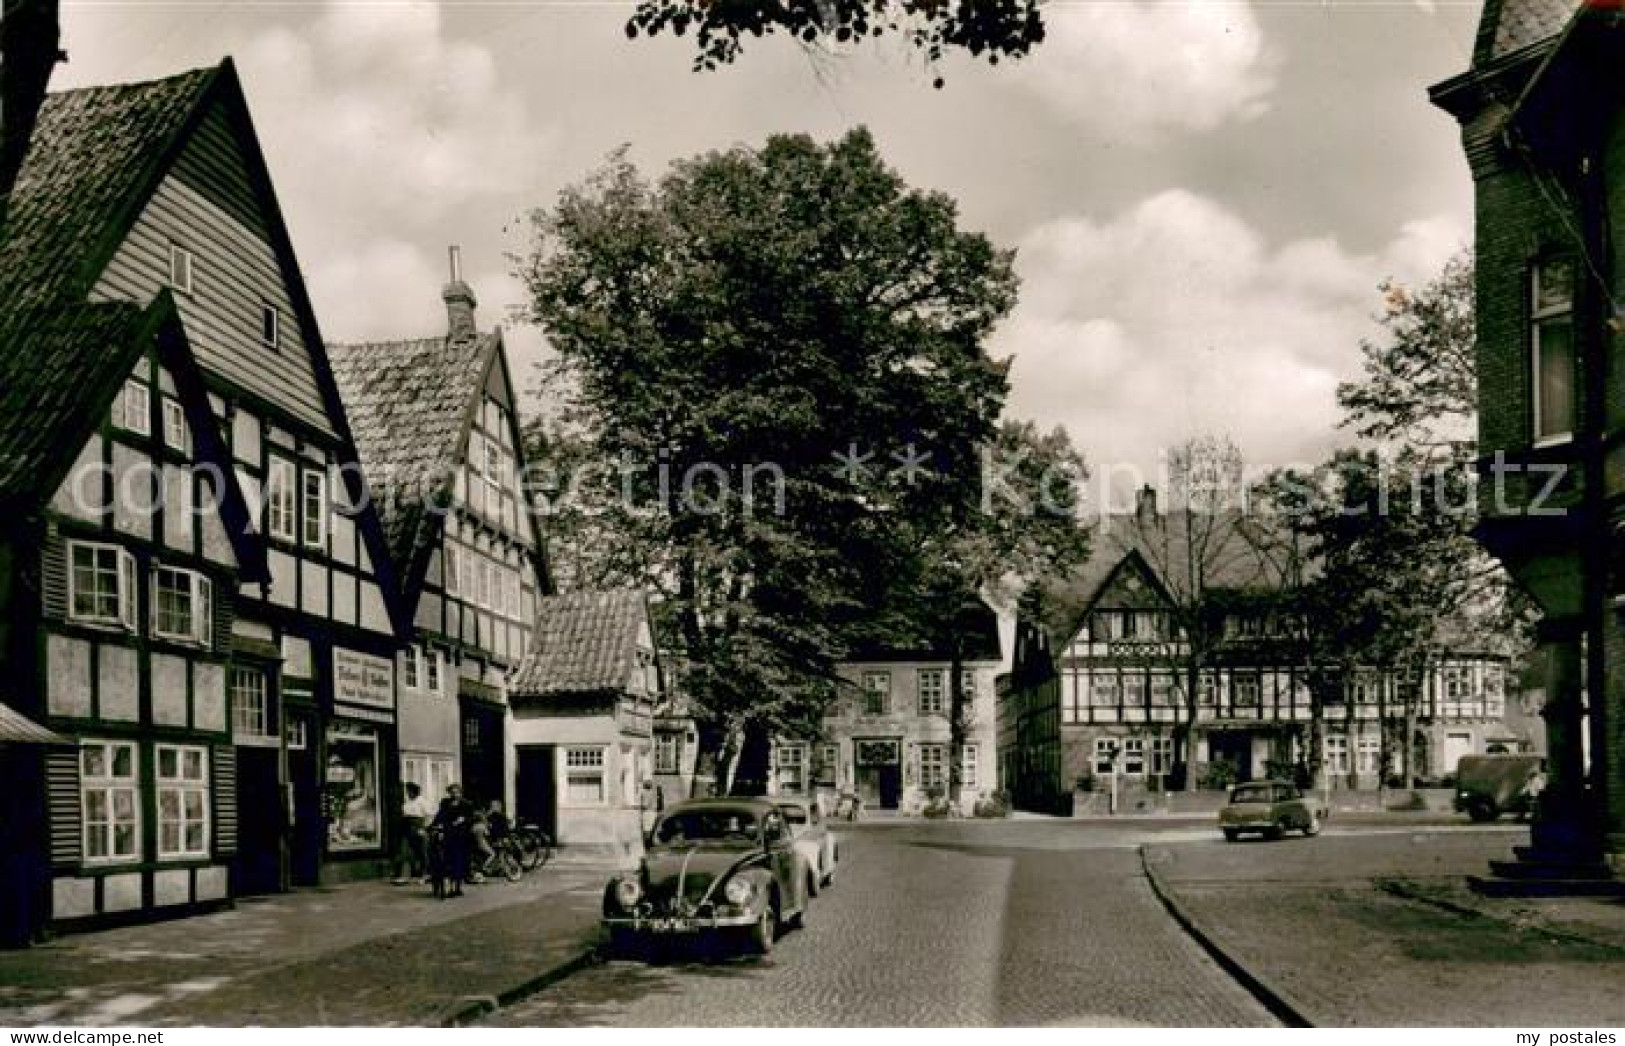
<point>455,820</point>
<point>411,859</point>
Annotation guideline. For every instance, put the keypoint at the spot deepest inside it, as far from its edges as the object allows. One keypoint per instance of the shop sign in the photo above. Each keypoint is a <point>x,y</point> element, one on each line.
<point>361,679</point>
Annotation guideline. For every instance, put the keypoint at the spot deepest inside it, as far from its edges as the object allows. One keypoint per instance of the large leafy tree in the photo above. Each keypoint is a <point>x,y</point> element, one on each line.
<point>994,537</point>
<point>992,29</point>
<point>751,345</point>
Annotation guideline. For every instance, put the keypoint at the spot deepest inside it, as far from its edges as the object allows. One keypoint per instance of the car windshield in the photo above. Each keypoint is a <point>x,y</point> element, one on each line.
<point>1251,794</point>
<point>699,825</point>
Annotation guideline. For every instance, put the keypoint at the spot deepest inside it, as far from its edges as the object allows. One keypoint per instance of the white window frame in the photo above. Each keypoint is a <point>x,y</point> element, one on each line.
<point>1133,757</point>
<point>1337,754</point>
<point>123,571</point>
<point>250,690</point>
<point>282,499</point>
<point>182,266</point>
<point>111,787</point>
<point>132,411</point>
<point>968,762</point>
<point>1105,756</point>
<point>1162,756</point>
<point>432,674</point>
<point>1105,690</point>
<point>199,591</point>
<point>933,765</point>
<point>584,764</point>
<point>933,698</point>
<point>668,752</point>
<point>175,428</point>
<point>792,756</point>
<point>313,496</point>
<point>1368,754</point>
<point>183,784</point>
<point>829,762</point>
<point>1246,682</point>
<point>411,671</point>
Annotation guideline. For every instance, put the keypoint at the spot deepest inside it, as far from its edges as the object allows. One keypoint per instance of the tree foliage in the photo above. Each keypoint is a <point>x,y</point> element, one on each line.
<point>748,347</point>
<point>993,29</point>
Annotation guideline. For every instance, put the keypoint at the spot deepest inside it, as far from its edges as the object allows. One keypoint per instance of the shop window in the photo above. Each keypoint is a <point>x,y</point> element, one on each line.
<point>183,801</point>
<point>584,776</point>
<point>350,796</point>
<point>101,585</point>
<point>109,792</point>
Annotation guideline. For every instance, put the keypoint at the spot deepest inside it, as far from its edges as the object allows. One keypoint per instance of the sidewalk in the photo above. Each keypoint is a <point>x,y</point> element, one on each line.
<point>1397,939</point>
<point>364,953</point>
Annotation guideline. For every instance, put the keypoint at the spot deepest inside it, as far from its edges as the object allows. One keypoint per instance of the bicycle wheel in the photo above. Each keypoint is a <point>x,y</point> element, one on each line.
<point>534,849</point>
<point>544,848</point>
<point>508,863</point>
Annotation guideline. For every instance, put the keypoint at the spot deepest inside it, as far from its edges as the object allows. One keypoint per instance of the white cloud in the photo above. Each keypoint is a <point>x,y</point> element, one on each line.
<point>1176,318</point>
<point>381,130</point>
<point>1138,70</point>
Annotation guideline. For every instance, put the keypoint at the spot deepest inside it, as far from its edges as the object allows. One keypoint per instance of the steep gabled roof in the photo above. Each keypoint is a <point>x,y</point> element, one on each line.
<point>61,367</point>
<point>1508,26</point>
<point>90,166</point>
<point>585,643</point>
<point>410,404</point>
<point>59,370</point>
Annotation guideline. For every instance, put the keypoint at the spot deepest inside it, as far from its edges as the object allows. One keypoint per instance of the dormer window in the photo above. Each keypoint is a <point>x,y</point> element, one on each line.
<point>180,268</point>
<point>1551,349</point>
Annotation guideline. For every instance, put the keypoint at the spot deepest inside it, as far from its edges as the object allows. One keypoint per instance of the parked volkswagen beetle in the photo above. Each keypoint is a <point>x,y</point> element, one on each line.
<point>712,866</point>
<point>818,845</point>
<point>1270,808</point>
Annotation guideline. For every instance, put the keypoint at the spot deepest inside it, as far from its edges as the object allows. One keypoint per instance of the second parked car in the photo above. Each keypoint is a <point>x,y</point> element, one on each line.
<point>1270,808</point>
<point>818,845</point>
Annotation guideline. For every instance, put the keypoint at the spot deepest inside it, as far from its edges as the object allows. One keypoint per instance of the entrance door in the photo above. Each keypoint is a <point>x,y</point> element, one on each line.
<point>879,771</point>
<point>482,744</point>
<point>260,800</point>
<point>308,836</point>
<point>1456,745</point>
<point>536,801</point>
<point>1235,747</point>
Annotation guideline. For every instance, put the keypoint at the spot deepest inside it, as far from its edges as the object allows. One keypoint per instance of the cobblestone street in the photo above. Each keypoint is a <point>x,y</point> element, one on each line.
<point>1019,923</point>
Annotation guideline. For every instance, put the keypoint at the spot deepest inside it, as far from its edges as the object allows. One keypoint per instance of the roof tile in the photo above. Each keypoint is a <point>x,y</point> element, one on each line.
<point>585,642</point>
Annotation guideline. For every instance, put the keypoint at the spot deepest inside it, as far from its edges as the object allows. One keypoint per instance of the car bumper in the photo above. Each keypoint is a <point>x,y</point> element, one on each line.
<point>1250,825</point>
<point>678,924</point>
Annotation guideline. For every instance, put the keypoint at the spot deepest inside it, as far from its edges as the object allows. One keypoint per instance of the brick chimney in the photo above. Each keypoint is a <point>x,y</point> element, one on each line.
<point>460,303</point>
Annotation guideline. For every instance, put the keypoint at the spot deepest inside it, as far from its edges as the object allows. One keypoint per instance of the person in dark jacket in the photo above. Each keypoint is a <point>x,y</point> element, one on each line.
<point>455,820</point>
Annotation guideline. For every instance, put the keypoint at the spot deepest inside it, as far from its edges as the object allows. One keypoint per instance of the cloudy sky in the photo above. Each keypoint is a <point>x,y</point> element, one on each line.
<point>1204,195</point>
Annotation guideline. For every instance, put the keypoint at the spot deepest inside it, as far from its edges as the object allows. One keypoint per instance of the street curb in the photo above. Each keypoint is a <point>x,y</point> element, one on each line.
<point>1272,999</point>
<point>473,1008</point>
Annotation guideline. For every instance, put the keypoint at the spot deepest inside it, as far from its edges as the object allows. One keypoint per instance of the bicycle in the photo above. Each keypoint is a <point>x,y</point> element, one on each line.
<point>535,846</point>
<point>506,860</point>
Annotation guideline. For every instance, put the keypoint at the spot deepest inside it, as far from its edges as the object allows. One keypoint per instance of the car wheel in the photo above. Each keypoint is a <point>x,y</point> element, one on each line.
<point>1231,835</point>
<point>1481,809</point>
<point>1312,828</point>
<point>1275,831</point>
<point>765,930</point>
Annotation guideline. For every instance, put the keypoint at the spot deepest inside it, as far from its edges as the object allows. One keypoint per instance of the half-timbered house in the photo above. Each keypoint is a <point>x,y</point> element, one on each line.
<point>132,191</point>
<point>437,425</point>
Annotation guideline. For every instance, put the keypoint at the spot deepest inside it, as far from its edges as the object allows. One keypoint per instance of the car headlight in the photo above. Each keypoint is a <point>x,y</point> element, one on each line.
<point>627,892</point>
<point>738,892</point>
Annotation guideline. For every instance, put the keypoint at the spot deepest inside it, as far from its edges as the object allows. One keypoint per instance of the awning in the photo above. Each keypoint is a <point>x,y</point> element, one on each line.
<point>16,728</point>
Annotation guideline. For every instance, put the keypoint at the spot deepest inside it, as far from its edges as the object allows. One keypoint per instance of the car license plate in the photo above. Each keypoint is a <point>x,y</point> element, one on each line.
<point>670,925</point>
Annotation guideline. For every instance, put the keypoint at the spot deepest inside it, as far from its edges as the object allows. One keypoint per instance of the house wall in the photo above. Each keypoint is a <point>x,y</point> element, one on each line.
<point>850,724</point>
<point>614,822</point>
<point>140,704</point>
<point>325,602</point>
